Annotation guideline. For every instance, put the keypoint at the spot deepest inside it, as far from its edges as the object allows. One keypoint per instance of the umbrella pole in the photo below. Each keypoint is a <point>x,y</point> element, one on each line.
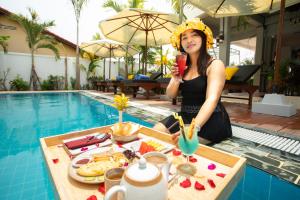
<point>146,52</point>
<point>104,69</point>
<point>109,60</point>
<point>278,46</point>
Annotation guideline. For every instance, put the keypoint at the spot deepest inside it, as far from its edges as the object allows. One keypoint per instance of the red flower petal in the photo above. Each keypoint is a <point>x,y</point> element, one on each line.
<point>93,197</point>
<point>221,175</point>
<point>101,188</point>
<point>55,160</point>
<point>199,186</point>
<point>192,159</point>
<point>120,144</point>
<point>211,183</point>
<point>211,166</point>
<point>176,152</point>
<point>186,183</point>
<point>84,148</point>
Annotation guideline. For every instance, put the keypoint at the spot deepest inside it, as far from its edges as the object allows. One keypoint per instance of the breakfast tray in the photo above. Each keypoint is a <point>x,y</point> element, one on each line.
<point>232,166</point>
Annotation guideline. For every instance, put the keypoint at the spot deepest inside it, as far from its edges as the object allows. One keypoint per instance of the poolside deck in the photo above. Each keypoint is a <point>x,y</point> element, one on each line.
<point>239,114</point>
<point>259,154</point>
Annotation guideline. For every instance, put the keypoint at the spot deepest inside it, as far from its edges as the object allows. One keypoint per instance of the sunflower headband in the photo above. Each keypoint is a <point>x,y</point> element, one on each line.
<point>196,24</point>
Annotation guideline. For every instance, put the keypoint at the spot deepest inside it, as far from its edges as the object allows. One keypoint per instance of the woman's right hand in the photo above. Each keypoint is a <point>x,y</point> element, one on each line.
<point>175,71</point>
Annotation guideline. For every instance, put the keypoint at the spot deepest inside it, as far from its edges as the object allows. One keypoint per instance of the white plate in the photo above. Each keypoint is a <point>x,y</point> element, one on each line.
<point>135,145</point>
<point>91,180</point>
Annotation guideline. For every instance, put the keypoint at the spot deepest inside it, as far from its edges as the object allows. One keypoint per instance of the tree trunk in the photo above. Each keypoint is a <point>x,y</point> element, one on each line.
<point>66,72</point>
<point>77,85</point>
<point>33,74</point>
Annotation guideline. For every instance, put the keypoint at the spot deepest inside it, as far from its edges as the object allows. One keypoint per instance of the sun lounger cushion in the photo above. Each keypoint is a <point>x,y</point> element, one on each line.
<point>244,74</point>
<point>230,72</point>
<point>141,77</point>
<point>119,78</point>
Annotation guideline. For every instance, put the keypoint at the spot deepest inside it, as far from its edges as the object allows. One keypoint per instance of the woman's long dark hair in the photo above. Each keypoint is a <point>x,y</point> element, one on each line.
<point>204,57</point>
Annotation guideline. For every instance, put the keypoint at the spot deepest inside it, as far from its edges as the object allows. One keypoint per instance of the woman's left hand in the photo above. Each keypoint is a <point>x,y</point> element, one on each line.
<point>175,138</point>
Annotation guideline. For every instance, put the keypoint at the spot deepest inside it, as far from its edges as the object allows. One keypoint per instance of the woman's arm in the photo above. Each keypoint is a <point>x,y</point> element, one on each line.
<point>172,89</point>
<point>215,85</point>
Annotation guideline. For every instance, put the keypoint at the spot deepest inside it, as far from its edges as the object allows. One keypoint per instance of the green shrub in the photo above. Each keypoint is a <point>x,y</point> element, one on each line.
<point>73,82</point>
<point>52,83</point>
<point>19,84</point>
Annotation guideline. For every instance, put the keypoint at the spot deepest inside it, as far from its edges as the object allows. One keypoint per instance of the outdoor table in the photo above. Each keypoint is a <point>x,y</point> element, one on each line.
<point>58,162</point>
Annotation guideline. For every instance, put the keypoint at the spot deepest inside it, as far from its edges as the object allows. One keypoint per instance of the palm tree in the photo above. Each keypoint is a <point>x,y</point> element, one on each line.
<point>36,40</point>
<point>3,42</point>
<point>176,7</point>
<point>119,7</point>
<point>77,5</point>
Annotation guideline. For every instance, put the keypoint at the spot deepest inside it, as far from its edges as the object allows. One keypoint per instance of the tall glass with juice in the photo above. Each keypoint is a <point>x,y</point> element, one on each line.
<point>181,63</point>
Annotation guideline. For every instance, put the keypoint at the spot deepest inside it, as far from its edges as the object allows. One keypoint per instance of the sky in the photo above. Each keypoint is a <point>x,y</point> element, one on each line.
<point>61,11</point>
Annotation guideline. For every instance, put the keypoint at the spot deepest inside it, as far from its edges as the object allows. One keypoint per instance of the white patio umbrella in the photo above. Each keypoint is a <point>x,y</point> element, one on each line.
<point>225,8</point>
<point>140,27</point>
<point>106,48</point>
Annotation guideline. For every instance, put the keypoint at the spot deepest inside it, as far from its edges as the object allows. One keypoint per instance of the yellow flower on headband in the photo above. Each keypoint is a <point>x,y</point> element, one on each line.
<point>195,24</point>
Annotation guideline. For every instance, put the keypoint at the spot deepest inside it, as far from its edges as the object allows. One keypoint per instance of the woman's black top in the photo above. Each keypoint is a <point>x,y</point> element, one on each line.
<point>193,92</point>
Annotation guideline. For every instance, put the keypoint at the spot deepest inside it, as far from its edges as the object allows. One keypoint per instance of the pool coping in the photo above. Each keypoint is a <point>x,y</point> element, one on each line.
<point>267,159</point>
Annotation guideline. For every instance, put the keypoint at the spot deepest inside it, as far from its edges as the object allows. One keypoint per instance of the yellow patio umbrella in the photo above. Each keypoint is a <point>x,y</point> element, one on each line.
<point>140,27</point>
<point>106,48</point>
<point>225,8</point>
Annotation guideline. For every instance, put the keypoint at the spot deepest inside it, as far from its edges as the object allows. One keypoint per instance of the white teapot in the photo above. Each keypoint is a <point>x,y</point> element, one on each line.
<point>143,181</point>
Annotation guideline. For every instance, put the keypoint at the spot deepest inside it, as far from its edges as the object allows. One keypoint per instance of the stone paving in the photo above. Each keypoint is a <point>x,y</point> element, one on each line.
<point>275,162</point>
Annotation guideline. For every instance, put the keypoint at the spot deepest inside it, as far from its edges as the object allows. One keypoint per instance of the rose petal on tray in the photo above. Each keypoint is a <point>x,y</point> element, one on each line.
<point>211,183</point>
<point>211,166</point>
<point>101,188</point>
<point>186,183</point>
<point>192,159</point>
<point>92,197</point>
<point>84,148</point>
<point>199,186</point>
<point>55,160</point>
<point>176,152</point>
<point>221,175</point>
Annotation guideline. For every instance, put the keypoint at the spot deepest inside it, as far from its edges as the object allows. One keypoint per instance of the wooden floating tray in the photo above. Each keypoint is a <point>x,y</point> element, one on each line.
<point>69,189</point>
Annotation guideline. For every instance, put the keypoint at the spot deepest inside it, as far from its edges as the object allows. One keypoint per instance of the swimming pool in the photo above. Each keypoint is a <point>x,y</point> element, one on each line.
<point>24,118</point>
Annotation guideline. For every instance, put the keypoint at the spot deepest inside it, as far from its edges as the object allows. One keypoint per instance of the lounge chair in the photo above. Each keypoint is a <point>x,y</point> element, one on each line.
<point>145,84</point>
<point>239,82</point>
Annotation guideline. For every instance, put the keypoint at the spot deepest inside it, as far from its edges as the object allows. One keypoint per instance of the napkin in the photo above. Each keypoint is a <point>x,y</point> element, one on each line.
<point>83,142</point>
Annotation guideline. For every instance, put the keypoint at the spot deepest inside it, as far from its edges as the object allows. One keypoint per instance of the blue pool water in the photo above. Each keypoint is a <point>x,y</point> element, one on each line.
<point>24,118</point>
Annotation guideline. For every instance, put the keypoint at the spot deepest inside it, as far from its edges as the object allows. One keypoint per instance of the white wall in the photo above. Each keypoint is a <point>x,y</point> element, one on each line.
<point>20,63</point>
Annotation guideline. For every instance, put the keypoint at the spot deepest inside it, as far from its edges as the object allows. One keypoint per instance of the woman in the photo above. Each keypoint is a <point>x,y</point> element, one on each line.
<point>201,88</point>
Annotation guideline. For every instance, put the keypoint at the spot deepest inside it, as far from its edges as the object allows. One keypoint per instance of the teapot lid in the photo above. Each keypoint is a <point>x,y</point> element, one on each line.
<point>143,173</point>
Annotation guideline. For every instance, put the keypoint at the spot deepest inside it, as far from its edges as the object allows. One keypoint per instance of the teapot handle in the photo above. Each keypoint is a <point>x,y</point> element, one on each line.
<point>113,190</point>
